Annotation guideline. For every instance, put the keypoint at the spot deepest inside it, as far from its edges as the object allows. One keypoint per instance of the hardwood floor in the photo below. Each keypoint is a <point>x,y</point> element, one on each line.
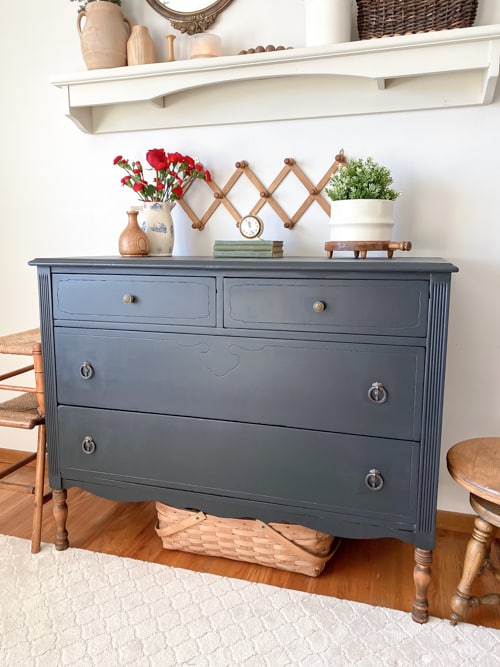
<point>377,572</point>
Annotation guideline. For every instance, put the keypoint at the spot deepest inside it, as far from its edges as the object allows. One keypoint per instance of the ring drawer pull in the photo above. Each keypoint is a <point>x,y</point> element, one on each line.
<point>374,480</point>
<point>319,306</point>
<point>88,445</point>
<point>86,370</point>
<point>128,298</point>
<point>377,393</point>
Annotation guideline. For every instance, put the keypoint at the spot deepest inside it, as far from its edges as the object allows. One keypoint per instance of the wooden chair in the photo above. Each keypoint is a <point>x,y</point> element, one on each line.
<point>26,410</point>
<point>475,465</point>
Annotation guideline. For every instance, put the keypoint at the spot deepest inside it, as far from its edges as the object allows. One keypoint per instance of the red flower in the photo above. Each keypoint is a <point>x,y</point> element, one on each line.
<point>172,174</point>
<point>157,159</point>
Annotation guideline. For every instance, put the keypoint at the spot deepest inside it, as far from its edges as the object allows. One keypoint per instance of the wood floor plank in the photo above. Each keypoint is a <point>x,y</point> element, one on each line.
<point>377,572</point>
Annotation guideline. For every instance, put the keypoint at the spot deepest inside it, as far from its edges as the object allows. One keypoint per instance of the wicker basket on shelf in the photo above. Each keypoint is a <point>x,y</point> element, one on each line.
<point>284,546</point>
<point>386,18</point>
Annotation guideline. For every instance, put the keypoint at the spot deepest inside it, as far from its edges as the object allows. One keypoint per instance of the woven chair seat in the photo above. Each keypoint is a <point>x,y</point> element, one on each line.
<point>21,412</point>
<point>19,343</point>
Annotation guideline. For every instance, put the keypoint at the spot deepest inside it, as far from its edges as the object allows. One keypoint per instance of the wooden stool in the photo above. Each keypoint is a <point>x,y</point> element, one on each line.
<point>26,410</point>
<point>475,465</point>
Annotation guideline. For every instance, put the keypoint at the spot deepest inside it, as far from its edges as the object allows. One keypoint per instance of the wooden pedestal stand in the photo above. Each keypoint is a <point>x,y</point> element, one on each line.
<point>362,247</point>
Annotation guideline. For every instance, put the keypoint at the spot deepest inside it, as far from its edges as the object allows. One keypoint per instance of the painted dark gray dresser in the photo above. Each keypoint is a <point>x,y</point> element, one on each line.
<point>304,390</point>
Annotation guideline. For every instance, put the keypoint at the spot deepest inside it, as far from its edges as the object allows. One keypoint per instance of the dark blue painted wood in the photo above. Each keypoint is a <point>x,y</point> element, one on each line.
<point>225,391</point>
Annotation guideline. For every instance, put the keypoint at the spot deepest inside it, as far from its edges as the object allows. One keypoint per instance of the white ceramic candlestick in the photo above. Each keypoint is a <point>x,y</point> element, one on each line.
<point>204,45</point>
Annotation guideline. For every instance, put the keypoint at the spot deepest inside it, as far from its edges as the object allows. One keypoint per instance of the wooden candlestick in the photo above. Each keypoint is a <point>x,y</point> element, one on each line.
<point>170,40</point>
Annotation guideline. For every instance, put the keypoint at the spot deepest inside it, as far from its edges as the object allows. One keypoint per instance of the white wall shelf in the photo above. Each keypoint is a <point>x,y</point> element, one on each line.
<point>427,71</point>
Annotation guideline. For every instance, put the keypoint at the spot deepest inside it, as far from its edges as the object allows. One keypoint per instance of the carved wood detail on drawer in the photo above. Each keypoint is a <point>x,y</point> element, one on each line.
<point>350,388</point>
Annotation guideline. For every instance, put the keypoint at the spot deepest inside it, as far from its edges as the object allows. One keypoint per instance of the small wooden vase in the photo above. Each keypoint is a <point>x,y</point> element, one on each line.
<point>140,47</point>
<point>133,241</point>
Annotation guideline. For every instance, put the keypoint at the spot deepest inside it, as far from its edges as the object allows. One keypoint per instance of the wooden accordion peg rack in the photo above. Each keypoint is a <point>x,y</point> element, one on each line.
<point>242,169</point>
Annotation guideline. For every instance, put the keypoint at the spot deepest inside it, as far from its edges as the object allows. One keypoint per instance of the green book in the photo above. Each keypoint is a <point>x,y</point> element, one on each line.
<point>247,245</point>
<point>248,253</point>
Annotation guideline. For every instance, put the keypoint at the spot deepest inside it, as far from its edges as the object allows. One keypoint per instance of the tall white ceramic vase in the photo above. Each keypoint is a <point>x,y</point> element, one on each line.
<point>327,22</point>
<point>156,220</point>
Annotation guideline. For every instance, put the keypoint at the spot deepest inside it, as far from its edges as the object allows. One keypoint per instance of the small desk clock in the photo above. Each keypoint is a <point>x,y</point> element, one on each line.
<point>251,227</point>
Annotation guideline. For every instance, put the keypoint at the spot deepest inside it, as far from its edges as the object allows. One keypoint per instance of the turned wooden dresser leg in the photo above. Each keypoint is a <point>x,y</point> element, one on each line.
<point>60,516</point>
<point>475,554</point>
<point>422,579</point>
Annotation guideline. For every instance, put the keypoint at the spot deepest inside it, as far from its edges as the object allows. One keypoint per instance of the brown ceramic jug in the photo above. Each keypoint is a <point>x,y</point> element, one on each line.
<point>104,35</point>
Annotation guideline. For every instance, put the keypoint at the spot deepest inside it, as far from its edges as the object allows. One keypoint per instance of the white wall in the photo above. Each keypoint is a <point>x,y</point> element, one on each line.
<point>61,194</point>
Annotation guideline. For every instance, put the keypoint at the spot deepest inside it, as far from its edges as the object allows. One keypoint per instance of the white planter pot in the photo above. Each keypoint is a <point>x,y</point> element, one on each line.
<point>361,220</point>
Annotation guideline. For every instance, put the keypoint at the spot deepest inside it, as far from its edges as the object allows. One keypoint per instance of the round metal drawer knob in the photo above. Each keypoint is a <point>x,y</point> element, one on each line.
<point>319,306</point>
<point>377,393</point>
<point>374,480</point>
<point>86,370</point>
<point>88,445</point>
<point>128,298</point>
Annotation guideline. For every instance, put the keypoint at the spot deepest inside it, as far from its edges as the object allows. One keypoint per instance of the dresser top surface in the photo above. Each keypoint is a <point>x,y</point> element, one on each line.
<point>280,265</point>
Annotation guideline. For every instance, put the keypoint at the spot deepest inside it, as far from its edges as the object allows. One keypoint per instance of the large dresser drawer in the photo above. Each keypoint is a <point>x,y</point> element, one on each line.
<point>303,384</point>
<point>255,462</point>
<point>144,299</point>
<point>380,307</point>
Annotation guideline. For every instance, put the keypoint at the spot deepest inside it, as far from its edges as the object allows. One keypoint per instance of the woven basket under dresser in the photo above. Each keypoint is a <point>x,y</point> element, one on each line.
<point>281,545</point>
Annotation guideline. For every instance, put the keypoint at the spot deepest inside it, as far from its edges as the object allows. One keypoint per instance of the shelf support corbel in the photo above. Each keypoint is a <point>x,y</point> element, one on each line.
<point>491,73</point>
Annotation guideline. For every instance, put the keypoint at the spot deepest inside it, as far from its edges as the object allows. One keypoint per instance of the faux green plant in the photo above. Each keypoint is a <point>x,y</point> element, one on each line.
<point>83,3</point>
<point>361,179</point>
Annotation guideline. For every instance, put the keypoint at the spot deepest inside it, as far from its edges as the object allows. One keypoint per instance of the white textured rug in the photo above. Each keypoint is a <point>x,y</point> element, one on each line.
<point>81,608</point>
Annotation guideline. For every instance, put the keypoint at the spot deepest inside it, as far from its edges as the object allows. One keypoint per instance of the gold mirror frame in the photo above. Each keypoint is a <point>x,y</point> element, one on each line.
<point>191,22</point>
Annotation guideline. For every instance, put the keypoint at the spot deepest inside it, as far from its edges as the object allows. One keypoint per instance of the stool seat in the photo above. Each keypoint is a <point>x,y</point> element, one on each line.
<point>475,465</point>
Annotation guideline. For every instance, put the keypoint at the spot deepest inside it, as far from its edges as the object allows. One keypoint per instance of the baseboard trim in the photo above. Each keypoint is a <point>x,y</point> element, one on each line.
<point>454,521</point>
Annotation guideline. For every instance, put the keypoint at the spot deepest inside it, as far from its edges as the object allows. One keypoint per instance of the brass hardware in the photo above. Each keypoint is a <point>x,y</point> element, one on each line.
<point>377,393</point>
<point>88,445</point>
<point>86,370</point>
<point>374,480</point>
<point>128,298</point>
<point>319,306</point>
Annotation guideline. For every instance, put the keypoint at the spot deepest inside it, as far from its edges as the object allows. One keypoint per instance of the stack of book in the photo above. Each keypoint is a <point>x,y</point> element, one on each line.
<point>248,248</point>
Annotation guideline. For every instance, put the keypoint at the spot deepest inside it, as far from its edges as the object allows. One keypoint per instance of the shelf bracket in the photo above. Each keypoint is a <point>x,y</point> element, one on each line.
<point>491,74</point>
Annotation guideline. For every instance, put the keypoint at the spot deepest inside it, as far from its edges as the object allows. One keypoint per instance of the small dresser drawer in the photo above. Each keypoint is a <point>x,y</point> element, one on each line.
<point>371,477</point>
<point>143,299</point>
<point>380,307</point>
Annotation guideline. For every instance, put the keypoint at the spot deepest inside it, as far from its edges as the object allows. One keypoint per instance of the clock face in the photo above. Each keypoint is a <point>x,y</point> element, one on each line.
<point>251,227</point>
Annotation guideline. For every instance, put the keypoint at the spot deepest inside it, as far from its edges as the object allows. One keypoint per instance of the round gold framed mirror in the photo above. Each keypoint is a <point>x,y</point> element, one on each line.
<point>190,16</point>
